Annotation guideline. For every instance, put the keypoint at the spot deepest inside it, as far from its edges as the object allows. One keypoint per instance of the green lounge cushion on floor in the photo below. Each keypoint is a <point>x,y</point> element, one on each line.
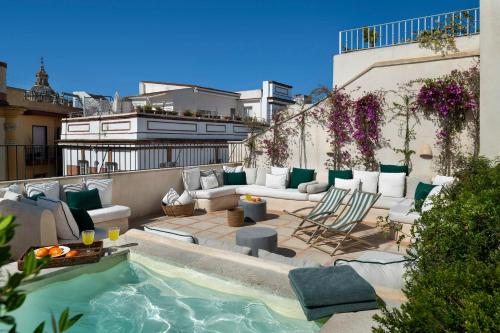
<point>324,291</point>
<point>300,176</point>
<point>235,178</point>
<point>343,174</point>
<point>82,218</point>
<point>389,168</point>
<point>86,200</point>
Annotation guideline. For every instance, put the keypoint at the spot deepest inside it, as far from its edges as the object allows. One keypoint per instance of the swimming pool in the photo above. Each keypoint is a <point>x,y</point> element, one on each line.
<point>139,295</point>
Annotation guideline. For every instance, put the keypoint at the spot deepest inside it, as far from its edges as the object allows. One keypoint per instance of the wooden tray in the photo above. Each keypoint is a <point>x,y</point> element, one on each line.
<point>95,254</point>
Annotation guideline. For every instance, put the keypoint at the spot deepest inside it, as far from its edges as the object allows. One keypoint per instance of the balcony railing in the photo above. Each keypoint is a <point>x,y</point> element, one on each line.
<point>458,23</point>
<point>19,162</point>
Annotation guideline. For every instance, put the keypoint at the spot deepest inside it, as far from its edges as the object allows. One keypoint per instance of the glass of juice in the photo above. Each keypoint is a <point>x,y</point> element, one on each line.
<point>88,238</point>
<point>248,197</point>
<point>113,235</point>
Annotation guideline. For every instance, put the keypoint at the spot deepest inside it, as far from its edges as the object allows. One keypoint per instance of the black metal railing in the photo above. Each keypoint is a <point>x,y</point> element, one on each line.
<point>19,162</point>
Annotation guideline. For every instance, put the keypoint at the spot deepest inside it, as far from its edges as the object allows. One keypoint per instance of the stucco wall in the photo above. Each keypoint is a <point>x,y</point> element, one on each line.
<point>490,78</point>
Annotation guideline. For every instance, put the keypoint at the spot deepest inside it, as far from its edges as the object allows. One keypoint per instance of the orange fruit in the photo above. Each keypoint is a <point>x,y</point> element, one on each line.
<point>55,251</point>
<point>42,252</point>
<point>72,253</point>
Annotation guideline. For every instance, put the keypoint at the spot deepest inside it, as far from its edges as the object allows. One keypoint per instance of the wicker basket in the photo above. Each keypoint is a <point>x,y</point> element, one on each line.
<point>235,217</point>
<point>178,210</point>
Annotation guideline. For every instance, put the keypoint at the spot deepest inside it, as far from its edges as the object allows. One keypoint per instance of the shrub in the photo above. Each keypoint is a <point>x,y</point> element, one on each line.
<point>453,285</point>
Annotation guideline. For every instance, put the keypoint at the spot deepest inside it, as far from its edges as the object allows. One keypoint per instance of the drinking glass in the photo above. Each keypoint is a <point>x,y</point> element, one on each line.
<point>113,235</point>
<point>88,238</point>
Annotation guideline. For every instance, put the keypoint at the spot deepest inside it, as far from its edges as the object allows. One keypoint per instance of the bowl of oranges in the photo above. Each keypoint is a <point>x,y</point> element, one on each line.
<point>55,251</point>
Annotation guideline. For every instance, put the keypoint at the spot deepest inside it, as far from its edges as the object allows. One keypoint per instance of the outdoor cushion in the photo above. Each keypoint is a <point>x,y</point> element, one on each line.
<point>342,174</point>
<point>209,182</point>
<point>251,174</point>
<point>215,192</point>
<point>385,202</point>
<point>223,245</point>
<point>220,176</point>
<point>428,204</point>
<point>261,176</point>
<point>105,188</point>
<point>87,200</point>
<point>169,233</point>
<point>276,181</point>
<point>300,176</point>
<point>297,262</point>
<point>421,193</point>
<point>348,184</point>
<point>170,197</point>
<point>50,189</point>
<point>281,171</point>
<point>327,290</point>
<point>303,186</point>
<point>66,226</point>
<point>369,180</point>
<point>392,184</point>
<point>404,213</point>
<point>390,168</point>
<point>235,178</point>
<point>109,213</point>
<point>71,188</point>
<point>317,188</point>
<point>232,169</point>
<point>191,178</point>
<point>184,199</point>
<point>34,197</point>
<point>9,195</point>
<point>82,218</point>
<point>262,191</point>
<point>412,183</point>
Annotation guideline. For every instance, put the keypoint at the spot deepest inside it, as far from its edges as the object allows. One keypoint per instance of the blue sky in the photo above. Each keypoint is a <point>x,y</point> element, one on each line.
<point>104,46</point>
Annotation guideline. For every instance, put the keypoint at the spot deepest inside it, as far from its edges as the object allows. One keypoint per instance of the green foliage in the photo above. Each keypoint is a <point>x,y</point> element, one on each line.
<point>11,297</point>
<point>454,283</point>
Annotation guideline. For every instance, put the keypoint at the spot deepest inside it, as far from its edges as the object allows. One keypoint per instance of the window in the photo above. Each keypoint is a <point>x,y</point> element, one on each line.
<point>248,111</point>
<point>233,112</point>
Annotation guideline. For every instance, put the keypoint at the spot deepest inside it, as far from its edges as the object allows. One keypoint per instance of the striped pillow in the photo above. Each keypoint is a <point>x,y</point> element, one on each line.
<point>170,197</point>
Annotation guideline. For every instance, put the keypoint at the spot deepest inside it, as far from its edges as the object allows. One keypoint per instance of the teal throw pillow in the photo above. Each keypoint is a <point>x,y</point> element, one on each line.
<point>300,176</point>
<point>87,200</point>
<point>389,168</point>
<point>343,174</point>
<point>235,178</point>
<point>421,192</point>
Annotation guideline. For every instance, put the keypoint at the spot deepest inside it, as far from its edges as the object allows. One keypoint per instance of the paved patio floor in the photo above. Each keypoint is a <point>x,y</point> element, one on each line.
<point>214,225</point>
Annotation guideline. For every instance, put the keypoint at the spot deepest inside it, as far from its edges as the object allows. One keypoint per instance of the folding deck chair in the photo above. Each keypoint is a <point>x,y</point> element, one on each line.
<point>339,231</point>
<point>320,213</point>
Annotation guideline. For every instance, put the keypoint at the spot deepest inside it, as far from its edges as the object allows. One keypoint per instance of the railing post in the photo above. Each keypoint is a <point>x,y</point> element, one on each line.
<point>340,42</point>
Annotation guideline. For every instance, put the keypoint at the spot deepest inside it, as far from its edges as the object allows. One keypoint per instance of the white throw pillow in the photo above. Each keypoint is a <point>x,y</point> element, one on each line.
<point>251,174</point>
<point>184,199</point>
<point>50,189</point>
<point>392,184</point>
<point>66,226</point>
<point>369,180</point>
<point>220,176</point>
<point>105,188</point>
<point>230,169</point>
<point>170,197</point>
<point>209,182</point>
<point>347,184</point>
<point>261,176</point>
<point>427,205</point>
<point>276,181</point>
<point>191,178</point>
<point>442,180</point>
<point>9,195</point>
<point>281,171</point>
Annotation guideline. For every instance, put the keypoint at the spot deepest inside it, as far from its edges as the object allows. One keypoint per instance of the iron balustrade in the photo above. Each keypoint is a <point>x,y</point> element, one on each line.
<point>18,162</point>
<point>458,23</point>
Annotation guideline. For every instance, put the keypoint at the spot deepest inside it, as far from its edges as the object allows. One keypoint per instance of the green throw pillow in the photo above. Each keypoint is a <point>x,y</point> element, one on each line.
<point>87,200</point>
<point>35,197</point>
<point>82,218</point>
<point>300,176</point>
<point>421,192</point>
<point>332,174</point>
<point>389,168</point>
<point>235,178</point>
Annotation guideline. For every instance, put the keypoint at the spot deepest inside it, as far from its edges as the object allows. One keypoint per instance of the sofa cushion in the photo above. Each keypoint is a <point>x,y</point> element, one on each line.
<point>216,192</point>
<point>369,180</point>
<point>230,169</point>
<point>342,174</point>
<point>385,202</point>
<point>390,168</point>
<point>303,186</point>
<point>220,176</point>
<point>235,178</point>
<point>300,176</point>
<point>421,193</point>
<point>87,200</point>
<point>262,191</point>
<point>261,176</point>
<point>412,183</point>
<point>428,204</point>
<point>71,188</point>
<point>109,213</point>
<point>191,178</point>
<point>251,174</point>
<point>404,213</point>
<point>66,226</point>
<point>50,189</point>
<point>209,182</point>
<point>276,181</point>
<point>281,171</point>
<point>105,188</point>
<point>392,184</point>
<point>9,195</point>
<point>317,188</point>
<point>348,184</point>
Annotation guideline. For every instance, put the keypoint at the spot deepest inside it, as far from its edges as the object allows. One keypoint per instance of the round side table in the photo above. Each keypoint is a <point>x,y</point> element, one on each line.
<point>254,211</point>
<point>257,238</point>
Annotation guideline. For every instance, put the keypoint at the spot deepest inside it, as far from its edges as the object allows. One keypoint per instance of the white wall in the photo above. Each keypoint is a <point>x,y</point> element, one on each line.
<point>490,78</point>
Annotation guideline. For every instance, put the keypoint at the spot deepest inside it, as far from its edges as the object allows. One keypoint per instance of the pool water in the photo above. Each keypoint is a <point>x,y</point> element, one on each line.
<point>131,298</point>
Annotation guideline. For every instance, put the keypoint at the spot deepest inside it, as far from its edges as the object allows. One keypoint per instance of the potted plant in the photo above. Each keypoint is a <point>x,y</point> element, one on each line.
<point>199,114</point>
<point>227,117</point>
<point>148,108</point>
<point>187,113</point>
<point>158,108</point>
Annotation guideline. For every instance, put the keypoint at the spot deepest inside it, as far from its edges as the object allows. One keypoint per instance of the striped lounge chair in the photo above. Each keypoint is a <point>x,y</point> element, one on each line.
<point>319,214</point>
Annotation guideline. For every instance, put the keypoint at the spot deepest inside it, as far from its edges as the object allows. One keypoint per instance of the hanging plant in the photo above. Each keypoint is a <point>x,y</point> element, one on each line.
<point>446,102</point>
<point>276,145</point>
<point>368,118</point>
<point>336,118</point>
